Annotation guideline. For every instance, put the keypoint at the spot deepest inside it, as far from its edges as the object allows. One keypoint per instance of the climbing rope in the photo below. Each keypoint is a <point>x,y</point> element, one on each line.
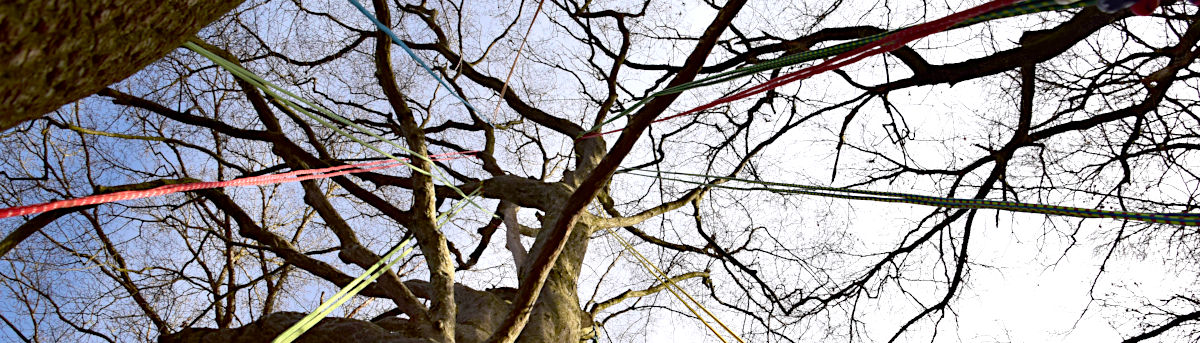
<point>293,176</point>
<point>416,58</point>
<point>504,89</point>
<point>1190,219</point>
<point>378,269</point>
<point>886,44</point>
<point>351,289</point>
<point>674,289</point>
<point>270,89</point>
<point>794,59</point>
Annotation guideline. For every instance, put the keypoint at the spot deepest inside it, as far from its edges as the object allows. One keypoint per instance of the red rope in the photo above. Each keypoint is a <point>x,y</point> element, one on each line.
<point>889,43</point>
<point>292,176</point>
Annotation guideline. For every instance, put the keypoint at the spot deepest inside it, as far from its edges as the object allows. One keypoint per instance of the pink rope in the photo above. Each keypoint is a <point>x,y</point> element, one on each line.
<point>292,176</point>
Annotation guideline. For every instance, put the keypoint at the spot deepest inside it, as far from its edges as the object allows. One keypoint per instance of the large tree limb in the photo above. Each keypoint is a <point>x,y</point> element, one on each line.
<point>553,246</point>
<point>55,52</point>
<point>424,225</point>
<point>1176,322</point>
<point>601,306</point>
<point>1036,47</point>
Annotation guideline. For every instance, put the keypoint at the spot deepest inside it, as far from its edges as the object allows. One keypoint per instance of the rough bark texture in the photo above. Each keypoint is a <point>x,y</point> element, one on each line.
<point>475,321</point>
<point>557,316</point>
<point>246,132</point>
<point>58,51</point>
<point>269,327</point>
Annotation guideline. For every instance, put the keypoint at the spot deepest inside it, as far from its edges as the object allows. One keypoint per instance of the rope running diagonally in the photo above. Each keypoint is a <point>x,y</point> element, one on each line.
<point>270,89</point>
<point>504,89</point>
<point>351,289</point>
<point>293,176</point>
<point>1188,219</point>
<point>886,44</point>
<point>789,60</point>
<point>672,287</point>
<point>416,58</point>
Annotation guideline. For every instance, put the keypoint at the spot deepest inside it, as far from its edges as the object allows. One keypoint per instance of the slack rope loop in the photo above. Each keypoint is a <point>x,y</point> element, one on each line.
<point>1188,219</point>
<point>370,275</point>
<point>293,176</point>
<point>418,59</point>
<point>1035,6</point>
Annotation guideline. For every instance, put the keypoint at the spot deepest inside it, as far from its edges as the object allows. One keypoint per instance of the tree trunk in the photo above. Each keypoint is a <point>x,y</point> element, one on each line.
<point>557,316</point>
<point>58,51</point>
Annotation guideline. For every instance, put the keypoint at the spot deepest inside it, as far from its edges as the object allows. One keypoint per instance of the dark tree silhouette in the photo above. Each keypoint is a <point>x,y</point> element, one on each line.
<point>56,52</point>
<point>1075,107</point>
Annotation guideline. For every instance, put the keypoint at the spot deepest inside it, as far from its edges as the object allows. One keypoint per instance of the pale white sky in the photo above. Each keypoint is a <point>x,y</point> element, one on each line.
<point>1022,288</point>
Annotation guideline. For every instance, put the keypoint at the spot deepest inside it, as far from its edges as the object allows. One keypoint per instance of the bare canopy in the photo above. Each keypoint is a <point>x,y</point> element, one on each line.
<point>604,239</point>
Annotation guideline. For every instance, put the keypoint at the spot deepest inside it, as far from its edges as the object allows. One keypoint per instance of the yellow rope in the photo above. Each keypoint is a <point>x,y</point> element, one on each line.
<point>663,277</point>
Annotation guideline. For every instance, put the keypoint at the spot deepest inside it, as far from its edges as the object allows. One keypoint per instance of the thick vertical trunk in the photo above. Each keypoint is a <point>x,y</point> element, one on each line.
<point>54,52</point>
<point>557,316</point>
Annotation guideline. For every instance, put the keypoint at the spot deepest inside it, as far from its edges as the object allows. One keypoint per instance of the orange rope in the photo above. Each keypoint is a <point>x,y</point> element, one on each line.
<point>520,48</point>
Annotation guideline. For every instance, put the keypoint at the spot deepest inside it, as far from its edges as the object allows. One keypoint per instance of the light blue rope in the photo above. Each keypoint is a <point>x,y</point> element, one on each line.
<point>414,56</point>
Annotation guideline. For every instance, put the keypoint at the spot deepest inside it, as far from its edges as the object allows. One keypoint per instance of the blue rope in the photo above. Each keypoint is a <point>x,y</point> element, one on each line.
<point>414,56</point>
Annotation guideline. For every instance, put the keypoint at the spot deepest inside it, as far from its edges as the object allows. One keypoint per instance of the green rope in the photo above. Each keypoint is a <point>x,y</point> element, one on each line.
<point>386,263</point>
<point>1188,219</point>
<point>270,89</point>
<point>1035,6</point>
<point>390,259</point>
<point>374,272</point>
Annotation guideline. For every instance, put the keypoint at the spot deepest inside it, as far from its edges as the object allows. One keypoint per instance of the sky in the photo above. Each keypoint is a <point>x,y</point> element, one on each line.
<point>1016,293</point>
<point>1020,289</point>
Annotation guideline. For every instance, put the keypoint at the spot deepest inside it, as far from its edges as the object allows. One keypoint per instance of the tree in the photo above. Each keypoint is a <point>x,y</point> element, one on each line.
<point>1075,107</point>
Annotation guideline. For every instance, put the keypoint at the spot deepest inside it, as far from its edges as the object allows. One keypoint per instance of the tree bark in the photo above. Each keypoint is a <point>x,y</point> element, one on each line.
<point>58,51</point>
<point>557,316</point>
